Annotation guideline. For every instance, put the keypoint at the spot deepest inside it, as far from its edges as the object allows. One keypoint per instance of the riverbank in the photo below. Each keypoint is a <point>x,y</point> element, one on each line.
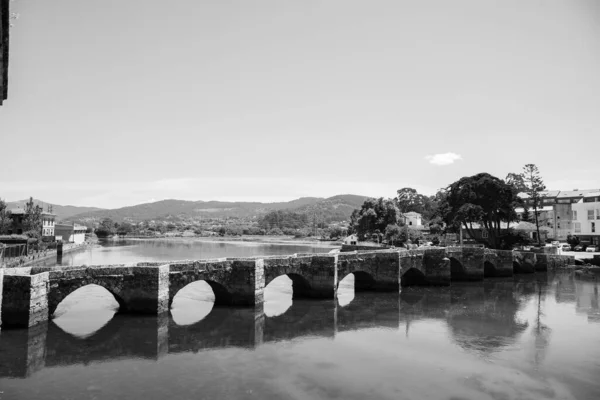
<point>30,259</point>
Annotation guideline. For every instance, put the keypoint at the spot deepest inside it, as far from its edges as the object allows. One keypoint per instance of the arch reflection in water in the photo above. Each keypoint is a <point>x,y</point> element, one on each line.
<point>345,292</point>
<point>192,303</point>
<point>85,310</point>
<point>278,296</point>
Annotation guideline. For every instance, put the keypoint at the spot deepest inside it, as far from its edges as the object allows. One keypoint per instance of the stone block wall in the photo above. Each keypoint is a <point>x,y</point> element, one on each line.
<point>549,262</point>
<point>502,262</point>
<point>436,267</point>
<point>378,271</point>
<point>233,281</point>
<point>313,276</point>
<point>25,300</point>
<point>524,262</point>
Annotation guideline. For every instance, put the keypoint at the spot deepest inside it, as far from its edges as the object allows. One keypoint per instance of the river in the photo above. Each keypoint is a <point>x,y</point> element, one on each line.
<point>528,337</point>
<point>124,251</point>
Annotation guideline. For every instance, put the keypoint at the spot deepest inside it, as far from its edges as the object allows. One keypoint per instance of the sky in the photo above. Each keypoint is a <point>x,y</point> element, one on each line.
<point>119,102</point>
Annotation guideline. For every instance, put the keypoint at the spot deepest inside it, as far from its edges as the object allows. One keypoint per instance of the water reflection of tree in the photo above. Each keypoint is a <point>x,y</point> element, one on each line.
<point>541,331</point>
<point>481,317</point>
<point>484,319</point>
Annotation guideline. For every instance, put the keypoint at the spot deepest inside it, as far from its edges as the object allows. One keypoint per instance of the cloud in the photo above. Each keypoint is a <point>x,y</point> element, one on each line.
<point>443,158</point>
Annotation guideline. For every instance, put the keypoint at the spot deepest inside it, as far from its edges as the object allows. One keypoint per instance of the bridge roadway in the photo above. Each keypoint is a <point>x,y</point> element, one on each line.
<point>487,323</point>
<point>31,295</point>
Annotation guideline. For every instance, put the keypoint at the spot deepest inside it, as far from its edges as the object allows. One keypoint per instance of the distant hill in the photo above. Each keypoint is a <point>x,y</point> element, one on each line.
<point>62,212</point>
<point>336,208</point>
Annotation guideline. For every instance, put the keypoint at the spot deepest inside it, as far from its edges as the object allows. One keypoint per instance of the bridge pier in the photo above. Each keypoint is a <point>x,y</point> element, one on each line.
<point>23,351</point>
<point>498,263</point>
<point>25,300</point>
<point>466,263</point>
<point>524,262</point>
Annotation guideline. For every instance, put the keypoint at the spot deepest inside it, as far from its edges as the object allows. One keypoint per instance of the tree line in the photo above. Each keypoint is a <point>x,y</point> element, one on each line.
<point>481,201</point>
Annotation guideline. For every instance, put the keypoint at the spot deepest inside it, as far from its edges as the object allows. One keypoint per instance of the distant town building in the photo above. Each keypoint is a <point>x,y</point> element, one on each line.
<point>352,239</point>
<point>18,214</point>
<point>70,232</point>
<point>48,224</point>
<point>412,218</point>
<point>4,31</point>
<point>568,212</point>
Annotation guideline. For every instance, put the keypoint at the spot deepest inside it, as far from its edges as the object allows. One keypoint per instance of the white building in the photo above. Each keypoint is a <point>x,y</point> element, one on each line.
<point>561,211</point>
<point>586,218</point>
<point>71,233</point>
<point>413,219</point>
<point>352,239</point>
<point>48,224</point>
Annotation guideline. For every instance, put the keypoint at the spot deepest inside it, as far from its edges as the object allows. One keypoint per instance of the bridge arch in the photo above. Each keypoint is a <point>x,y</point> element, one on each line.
<point>457,270</point>
<point>300,285</point>
<point>222,295</point>
<point>413,277</point>
<point>489,269</point>
<point>61,289</point>
<point>524,267</point>
<point>192,303</point>
<point>363,280</point>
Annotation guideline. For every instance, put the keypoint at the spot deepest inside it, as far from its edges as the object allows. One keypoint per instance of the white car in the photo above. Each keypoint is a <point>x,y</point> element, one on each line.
<point>565,247</point>
<point>591,249</point>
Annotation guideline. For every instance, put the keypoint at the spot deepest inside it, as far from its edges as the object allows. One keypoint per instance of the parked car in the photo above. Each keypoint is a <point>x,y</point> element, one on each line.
<point>565,247</point>
<point>579,247</point>
<point>591,249</point>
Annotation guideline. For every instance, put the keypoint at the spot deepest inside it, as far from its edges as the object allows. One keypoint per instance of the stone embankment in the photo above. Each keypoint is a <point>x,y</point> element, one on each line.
<point>31,294</point>
<point>38,256</point>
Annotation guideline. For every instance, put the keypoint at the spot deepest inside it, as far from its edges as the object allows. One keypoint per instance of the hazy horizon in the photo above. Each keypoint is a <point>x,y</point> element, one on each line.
<point>117,103</point>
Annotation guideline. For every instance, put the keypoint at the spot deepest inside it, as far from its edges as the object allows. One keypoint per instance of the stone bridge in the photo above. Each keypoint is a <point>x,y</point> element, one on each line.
<point>24,352</point>
<point>31,295</point>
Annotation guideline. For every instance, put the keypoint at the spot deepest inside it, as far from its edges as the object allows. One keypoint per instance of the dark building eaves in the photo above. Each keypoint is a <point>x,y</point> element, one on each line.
<point>4,34</point>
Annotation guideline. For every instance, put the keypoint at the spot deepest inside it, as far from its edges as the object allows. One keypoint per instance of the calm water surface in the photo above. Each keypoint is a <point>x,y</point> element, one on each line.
<point>133,250</point>
<point>531,337</point>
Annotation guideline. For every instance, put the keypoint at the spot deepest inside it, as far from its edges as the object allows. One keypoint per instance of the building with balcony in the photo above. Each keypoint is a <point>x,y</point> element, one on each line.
<point>48,222</point>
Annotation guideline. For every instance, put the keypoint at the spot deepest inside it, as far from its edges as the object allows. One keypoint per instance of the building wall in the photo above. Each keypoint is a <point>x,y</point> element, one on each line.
<point>413,220</point>
<point>588,217</point>
<point>48,225</point>
<point>564,221</point>
<point>78,237</point>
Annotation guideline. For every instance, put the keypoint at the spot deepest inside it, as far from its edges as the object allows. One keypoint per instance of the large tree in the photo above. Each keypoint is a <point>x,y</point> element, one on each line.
<point>534,188</point>
<point>409,199</point>
<point>32,220</point>
<point>106,228</point>
<point>517,181</point>
<point>480,199</point>
<point>5,218</point>
<point>373,217</point>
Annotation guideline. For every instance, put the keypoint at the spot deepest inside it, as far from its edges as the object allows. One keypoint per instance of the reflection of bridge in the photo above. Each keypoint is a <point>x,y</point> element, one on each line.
<point>488,321</point>
<point>31,295</point>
